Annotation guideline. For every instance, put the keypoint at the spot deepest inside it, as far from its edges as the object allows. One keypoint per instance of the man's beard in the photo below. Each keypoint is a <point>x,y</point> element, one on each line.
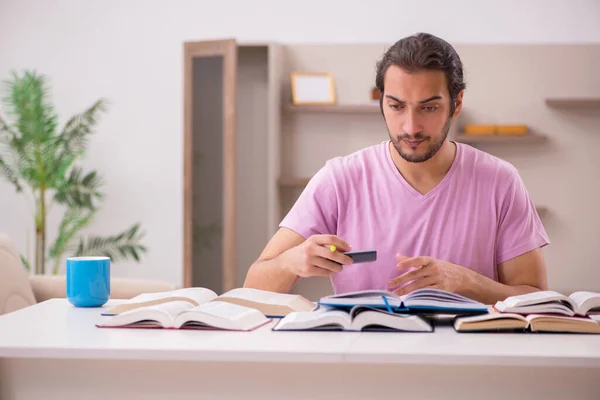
<point>432,148</point>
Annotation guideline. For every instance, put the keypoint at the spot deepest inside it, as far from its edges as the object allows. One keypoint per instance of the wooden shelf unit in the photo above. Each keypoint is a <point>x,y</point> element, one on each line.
<point>508,139</point>
<point>573,101</point>
<point>232,101</point>
<point>279,145</point>
<point>334,108</point>
<point>293,181</point>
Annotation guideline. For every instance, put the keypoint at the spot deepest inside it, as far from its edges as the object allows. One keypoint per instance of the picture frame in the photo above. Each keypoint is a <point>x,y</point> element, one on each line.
<point>312,88</point>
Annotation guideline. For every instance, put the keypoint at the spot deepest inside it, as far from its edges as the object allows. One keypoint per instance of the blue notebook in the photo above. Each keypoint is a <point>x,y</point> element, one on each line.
<point>419,301</point>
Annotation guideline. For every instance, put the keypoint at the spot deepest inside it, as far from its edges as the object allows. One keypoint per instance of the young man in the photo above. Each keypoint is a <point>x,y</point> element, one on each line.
<point>440,214</point>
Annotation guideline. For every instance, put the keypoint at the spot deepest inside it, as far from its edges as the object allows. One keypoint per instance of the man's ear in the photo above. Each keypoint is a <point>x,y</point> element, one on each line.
<point>458,104</point>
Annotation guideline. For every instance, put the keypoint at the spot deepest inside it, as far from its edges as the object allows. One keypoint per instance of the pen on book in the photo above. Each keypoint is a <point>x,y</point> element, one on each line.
<point>387,305</point>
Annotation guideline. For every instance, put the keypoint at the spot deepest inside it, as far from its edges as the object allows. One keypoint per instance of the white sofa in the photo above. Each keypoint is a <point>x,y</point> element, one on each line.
<point>19,289</point>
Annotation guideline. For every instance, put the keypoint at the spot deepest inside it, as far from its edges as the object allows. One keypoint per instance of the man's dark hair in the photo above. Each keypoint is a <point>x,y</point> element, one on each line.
<point>424,51</point>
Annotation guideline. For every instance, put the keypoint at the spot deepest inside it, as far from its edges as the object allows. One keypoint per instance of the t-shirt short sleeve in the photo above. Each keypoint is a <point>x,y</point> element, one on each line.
<point>520,229</point>
<point>315,212</point>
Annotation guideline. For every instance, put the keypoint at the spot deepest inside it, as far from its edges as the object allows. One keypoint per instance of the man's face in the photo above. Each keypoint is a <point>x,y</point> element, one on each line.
<point>416,108</point>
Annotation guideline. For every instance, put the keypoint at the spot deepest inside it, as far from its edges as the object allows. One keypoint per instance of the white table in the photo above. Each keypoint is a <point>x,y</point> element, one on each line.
<point>54,351</point>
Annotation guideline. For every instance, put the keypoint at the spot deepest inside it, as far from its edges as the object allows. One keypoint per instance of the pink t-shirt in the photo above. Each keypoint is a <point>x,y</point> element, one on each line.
<point>478,216</point>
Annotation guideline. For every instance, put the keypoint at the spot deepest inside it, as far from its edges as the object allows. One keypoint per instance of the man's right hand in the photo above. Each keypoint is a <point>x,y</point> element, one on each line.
<point>313,257</point>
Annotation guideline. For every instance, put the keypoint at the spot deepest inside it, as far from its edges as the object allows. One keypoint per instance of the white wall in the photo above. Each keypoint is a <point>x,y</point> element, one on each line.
<point>131,52</point>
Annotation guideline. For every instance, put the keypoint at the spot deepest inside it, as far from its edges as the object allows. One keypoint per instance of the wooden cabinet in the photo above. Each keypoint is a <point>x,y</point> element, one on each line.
<point>231,137</point>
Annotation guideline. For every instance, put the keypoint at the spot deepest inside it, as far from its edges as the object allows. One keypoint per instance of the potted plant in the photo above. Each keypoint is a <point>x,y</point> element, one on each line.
<point>42,162</point>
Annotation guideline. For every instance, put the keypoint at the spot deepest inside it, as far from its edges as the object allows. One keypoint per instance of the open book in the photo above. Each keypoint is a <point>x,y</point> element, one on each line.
<point>271,304</point>
<point>359,318</point>
<point>419,301</point>
<point>550,302</point>
<point>497,321</point>
<point>184,315</point>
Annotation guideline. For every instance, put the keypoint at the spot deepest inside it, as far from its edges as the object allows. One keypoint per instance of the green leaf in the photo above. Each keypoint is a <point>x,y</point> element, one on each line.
<point>27,100</point>
<point>122,246</point>
<point>73,221</point>
<point>57,172</point>
<point>77,130</point>
<point>25,263</point>
<point>10,174</point>
<point>79,190</point>
<point>6,132</point>
<point>32,136</point>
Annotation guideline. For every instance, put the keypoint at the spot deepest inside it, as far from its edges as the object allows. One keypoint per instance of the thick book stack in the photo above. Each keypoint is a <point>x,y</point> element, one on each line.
<point>376,310</point>
<point>545,311</point>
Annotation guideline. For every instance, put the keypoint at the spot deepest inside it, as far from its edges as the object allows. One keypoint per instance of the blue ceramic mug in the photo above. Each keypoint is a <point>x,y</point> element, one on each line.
<point>88,281</point>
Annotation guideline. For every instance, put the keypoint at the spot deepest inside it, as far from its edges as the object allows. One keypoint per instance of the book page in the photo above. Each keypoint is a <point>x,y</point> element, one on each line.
<point>440,300</point>
<point>491,316</point>
<point>199,295</point>
<point>221,315</point>
<point>365,298</point>
<point>586,301</point>
<point>273,303</point>
<point>223,310</point>
<point>195,296</point>
<point>552,307</point>
<point>158,315</point>
<point>260,296</point>
<point>363,294</point>
<point>321,318</point>
<point>377,320</point>
<point>534,298</point>
<point>172,308</point>
<point>437,295</point>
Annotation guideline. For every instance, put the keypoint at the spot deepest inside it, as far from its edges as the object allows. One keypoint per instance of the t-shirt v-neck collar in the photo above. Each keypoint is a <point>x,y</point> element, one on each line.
<point>436,188</point>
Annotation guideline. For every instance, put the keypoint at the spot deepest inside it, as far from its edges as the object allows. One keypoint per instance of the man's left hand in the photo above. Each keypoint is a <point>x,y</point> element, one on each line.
<point>429,272</point>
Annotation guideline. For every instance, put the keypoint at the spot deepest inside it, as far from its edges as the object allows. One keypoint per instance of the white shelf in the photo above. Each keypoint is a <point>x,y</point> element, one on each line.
<point>334,108</point>
<point>573,101</point>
